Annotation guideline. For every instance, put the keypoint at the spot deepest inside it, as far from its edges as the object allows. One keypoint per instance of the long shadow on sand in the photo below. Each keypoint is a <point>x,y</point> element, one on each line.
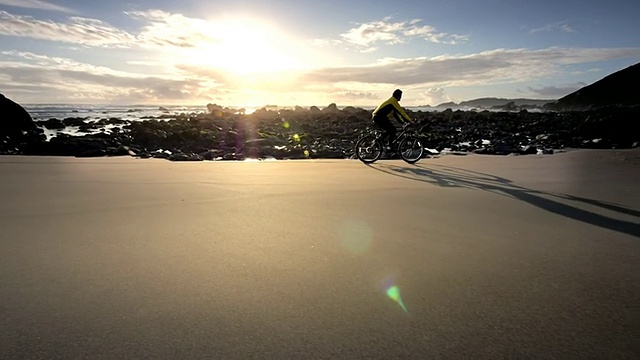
<point>447,176</point>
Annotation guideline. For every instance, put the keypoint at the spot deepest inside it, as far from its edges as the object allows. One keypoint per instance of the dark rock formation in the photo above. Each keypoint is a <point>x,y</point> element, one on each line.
<point>313,133</point>
<point>52,124</point>
<point>331,108</point>
<point>17,129</point>
<point>618,89</point>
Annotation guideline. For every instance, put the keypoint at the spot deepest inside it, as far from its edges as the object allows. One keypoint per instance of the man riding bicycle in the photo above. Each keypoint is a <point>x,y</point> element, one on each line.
<point>382,112</point>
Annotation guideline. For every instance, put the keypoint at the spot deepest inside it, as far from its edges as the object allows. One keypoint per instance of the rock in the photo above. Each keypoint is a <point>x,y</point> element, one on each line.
<point>619,88</point>
<point>82,146</point>
<point>332,108</point>
<point>18,132</point>
<point>529,150</point>
<point>233,156</point>
<point>331,133</point>
<point>484,151</point>
<point>13,114</point>
<point>86,128</point>
<point>52,124</point>
<point>74,121</point>
<point>504,149</point>
<point>215,110</point>
<point>161,154</point>
<point>327,153</point>
<point>185,157</point>
<point>122,151</point>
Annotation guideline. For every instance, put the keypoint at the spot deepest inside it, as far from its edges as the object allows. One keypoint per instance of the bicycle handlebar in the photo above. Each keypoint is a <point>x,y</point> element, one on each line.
<point>407,124</point>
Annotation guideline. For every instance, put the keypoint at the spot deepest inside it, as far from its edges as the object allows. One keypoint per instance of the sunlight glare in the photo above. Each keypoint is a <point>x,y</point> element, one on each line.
<point>246,47</point>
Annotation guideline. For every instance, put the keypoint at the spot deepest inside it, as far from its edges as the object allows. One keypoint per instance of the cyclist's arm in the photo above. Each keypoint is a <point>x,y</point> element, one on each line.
<point>398,117</point>
<point>400,111</point>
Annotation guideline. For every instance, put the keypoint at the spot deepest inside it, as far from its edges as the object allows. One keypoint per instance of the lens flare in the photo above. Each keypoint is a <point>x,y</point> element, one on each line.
<point>393,293</point>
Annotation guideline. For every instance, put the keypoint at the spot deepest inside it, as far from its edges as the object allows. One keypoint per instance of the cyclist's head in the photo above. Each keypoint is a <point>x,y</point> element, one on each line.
<point>397,94</point>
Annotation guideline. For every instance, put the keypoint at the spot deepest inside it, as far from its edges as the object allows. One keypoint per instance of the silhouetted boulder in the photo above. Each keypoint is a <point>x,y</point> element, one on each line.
<point>332,108</point>
<point>53,124</point>
<point>18,131</point>
<point>185,157</point>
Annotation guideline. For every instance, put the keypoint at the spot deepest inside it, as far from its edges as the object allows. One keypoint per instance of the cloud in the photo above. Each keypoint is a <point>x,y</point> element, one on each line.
<point>162,30</point>
<point>175,30</point>
<point>174,38</point>
<point>87,32</point>
<point>556,91</point>
<point>188,64</point>
<point>561,26</point>
<point>195,58</point>
<point>433,95</point>
<point>354,95</point>
<point>488,67</point>
<point>367,36</point>
<point>62,78</point>
<point>36,4</point>
<point>581,72</point>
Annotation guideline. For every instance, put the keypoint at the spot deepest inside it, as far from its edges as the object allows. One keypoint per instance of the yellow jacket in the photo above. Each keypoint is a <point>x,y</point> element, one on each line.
<point>391,106</point>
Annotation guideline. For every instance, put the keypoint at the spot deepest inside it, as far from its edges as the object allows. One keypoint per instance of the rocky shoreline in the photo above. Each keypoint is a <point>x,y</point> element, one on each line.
<point>225,134</point>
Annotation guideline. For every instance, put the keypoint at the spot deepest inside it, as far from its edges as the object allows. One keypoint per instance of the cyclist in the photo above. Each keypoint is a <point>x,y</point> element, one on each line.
<point>381,117</point>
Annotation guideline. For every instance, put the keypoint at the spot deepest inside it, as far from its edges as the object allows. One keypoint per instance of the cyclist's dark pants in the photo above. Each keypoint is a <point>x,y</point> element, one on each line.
<point>387,126</point>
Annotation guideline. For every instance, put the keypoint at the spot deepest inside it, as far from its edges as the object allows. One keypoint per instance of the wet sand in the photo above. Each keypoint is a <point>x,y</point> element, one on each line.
<point>533,256</point>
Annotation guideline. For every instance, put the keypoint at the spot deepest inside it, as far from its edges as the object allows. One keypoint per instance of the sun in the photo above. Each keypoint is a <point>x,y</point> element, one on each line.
<point>239,60</point>
<point>246,47</point>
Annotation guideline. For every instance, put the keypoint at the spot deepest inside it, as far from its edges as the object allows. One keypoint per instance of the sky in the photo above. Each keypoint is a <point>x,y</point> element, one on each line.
<point>300,52</point>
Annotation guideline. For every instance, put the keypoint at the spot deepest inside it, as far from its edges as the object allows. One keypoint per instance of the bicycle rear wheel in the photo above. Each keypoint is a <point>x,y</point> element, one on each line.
<point>411,149</point>
<point>368,149</point>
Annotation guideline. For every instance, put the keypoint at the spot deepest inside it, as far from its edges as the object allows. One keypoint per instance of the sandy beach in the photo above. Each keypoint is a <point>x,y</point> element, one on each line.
<point>473,256</point>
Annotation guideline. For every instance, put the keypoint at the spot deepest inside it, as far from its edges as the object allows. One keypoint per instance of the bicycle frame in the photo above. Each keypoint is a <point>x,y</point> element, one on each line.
<point>404,132</point>
<point>369,152</point>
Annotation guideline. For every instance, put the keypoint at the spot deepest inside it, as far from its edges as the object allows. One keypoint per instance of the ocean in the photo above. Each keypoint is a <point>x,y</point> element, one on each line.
<point>42,112</point>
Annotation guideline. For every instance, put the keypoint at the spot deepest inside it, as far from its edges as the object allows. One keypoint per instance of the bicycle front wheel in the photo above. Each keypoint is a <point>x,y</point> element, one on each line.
<point>368,149</point>
<point>411,149</point>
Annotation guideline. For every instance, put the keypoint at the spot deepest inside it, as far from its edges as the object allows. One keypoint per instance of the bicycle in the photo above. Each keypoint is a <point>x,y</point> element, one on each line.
<point>369,147</point>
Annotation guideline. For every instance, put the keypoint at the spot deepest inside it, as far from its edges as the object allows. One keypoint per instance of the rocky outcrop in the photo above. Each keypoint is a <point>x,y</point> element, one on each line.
<point>618,89</point>
<point>17,129</point>
<point>301,133</point>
